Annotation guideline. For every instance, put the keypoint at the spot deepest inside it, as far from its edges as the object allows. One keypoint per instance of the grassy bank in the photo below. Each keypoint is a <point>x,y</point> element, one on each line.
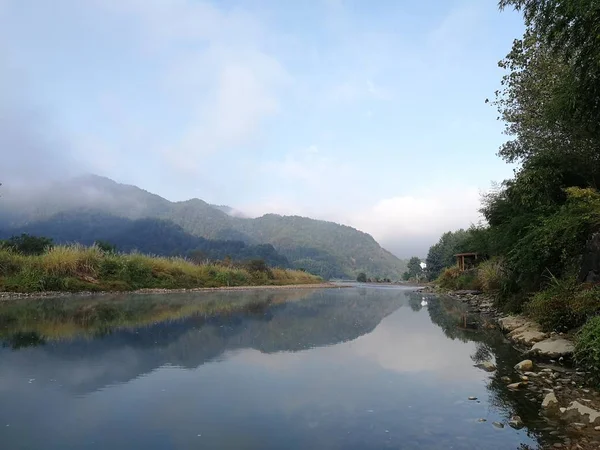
<point>76,268</point>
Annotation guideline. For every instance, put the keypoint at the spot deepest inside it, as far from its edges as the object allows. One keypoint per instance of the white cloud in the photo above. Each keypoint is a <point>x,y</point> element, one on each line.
<point>216,72</point>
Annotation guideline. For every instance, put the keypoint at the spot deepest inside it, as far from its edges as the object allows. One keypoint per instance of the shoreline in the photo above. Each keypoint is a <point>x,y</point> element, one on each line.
<point>9,296</point>
<point>569,400</point>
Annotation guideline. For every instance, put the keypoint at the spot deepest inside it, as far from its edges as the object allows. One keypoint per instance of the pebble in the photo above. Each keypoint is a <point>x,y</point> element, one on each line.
<point>595,428</point>
<point>498,424</point>
<point>558,445</point>
<point>478,420</point>
<point>472,398</point>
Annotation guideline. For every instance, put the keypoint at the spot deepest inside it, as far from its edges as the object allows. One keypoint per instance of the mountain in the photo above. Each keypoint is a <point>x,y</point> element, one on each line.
<point>325,248</point>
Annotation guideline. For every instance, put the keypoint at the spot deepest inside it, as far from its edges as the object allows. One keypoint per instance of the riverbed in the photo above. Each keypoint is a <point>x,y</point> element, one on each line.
<point>355,368</point>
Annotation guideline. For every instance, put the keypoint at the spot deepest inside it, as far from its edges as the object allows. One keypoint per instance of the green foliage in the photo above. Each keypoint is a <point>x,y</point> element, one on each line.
<point>564,305</point>
<point>587,347</point>
<point>441,255</point>
<point>106,246</point>
<point>491,275</point>
<point>27,244</point>
<point>452,278</point>
<point>76,268</point>
<point>414,267</point>
<point>361,277</point>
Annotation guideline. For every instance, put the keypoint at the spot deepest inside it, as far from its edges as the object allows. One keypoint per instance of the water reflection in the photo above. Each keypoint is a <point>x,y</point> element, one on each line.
<point>348,368</point>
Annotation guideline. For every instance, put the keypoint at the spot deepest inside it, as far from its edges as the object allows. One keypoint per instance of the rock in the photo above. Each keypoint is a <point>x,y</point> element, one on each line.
<point>511,323</point>
<point>524,378</point>
<point>576,412</point>
<point>528,334</point>
<point>506,379</point>
<point>488,366</point>
<point>562,410</point>
<point>578,425</point>
<point>525,365</point>
<point>597,428</point>
<point>481,420</point>
<point>532,374</point>
<point>515,386</point>
<point>516,422</point>
<point>498,424</point>
<point>472,398</point>
<point>553,347</point>
<point>550,403</point>
<point>558,445</point>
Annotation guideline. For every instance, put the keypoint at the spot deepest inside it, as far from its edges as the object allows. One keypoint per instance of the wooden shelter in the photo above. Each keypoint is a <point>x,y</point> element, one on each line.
<point>465,260</point>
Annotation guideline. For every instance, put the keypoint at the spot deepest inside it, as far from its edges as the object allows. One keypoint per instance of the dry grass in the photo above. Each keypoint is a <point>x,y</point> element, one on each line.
<point>79,268</point>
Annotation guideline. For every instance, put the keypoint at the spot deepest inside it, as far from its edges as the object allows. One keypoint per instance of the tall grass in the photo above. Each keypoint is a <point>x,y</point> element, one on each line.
<point>78,268</point>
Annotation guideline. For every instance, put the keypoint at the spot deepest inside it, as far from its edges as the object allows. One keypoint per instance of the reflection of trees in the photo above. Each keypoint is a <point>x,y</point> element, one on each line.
<point>321,318</point>
<point>457,322</point>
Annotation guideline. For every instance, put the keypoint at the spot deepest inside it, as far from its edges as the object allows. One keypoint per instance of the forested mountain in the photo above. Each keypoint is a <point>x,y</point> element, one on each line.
<point>151,236</point>
<point>89,208</point>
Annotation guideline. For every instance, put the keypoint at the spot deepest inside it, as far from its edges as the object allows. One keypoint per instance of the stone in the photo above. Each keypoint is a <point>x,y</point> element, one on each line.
<point>498,424</point>
<point>524,378</point>
<point>597,428</point>
<point>528,334</point>
<point>515,386</point>
<point>562,410</point>
<point>482,420</point>
<point>576,412</point>
<point>516,422</point>
<point>510,323</point>
<point>525,365</point>
<point>532,374</point>
<point>472,398</point>
<point>488,366</point>
<point>550,403</point>
<point>558,445</point>
<point>553,347</point>
<point>506,379</point>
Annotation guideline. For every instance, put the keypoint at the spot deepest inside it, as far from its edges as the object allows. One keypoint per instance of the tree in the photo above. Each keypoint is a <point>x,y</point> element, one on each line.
<point>362,277</point>
<point>27,244</point>
<point>414,267</point>
<point>106,246</point>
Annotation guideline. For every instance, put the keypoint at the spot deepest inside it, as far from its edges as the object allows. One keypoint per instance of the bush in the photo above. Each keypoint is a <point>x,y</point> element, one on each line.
<point>564,305</point>
<point>587,347</point>
<point>27,244</point>
<point>455,279</point>
<point>362,277</point>
<point>491,274</point>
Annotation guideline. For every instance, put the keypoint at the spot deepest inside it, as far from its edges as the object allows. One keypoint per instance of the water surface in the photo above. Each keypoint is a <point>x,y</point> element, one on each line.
<point>354,368</point>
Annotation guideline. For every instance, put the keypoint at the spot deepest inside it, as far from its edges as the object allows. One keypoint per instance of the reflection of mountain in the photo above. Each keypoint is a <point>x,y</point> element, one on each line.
<point>326,317</point>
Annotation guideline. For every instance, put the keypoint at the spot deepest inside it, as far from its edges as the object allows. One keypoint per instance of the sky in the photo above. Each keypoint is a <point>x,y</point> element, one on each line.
<point>366,113</point>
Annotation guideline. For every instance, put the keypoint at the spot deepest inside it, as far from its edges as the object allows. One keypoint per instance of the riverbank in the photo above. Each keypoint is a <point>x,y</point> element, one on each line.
<point>570,403</point>
<point>89,269</point>
<point>7,296</point>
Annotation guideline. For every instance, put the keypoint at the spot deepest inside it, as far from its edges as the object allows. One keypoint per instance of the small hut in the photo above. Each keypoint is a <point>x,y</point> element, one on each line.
<point>465,260</point>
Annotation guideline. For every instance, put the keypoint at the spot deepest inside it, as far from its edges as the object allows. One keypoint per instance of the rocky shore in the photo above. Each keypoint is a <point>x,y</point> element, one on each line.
<point>568,402</point>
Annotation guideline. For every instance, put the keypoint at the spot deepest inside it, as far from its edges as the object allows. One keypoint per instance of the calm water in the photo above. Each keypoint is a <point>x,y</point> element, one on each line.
<point>356,368</point>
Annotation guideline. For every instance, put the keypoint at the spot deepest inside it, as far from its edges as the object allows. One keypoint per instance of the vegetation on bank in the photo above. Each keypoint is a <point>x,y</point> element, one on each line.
<point>74,268</point>
<point>538,225</point>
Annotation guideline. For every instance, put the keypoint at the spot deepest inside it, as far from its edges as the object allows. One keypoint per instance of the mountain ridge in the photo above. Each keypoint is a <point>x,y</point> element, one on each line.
<point>326,248</point>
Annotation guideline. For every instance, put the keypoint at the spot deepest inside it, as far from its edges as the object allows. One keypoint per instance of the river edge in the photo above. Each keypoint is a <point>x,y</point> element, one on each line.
<point>569,403</point>
<point>9,296</point>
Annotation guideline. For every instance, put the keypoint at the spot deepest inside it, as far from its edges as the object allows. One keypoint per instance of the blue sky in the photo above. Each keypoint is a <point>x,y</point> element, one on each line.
<point>368,113</point>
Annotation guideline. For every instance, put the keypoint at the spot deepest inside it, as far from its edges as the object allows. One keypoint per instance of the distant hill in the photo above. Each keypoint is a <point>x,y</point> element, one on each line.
<point>324,248</point>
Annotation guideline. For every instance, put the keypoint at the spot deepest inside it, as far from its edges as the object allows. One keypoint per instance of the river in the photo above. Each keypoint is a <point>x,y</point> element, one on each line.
<point>352,368</point>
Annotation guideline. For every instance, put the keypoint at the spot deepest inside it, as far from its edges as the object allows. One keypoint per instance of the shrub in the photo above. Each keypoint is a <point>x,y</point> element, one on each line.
<point>362,277</point>
<point>587,347</point>
<point>491,274</point>
<point>455,279</point>
<point>27,244</point>
<point>564,305</point>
